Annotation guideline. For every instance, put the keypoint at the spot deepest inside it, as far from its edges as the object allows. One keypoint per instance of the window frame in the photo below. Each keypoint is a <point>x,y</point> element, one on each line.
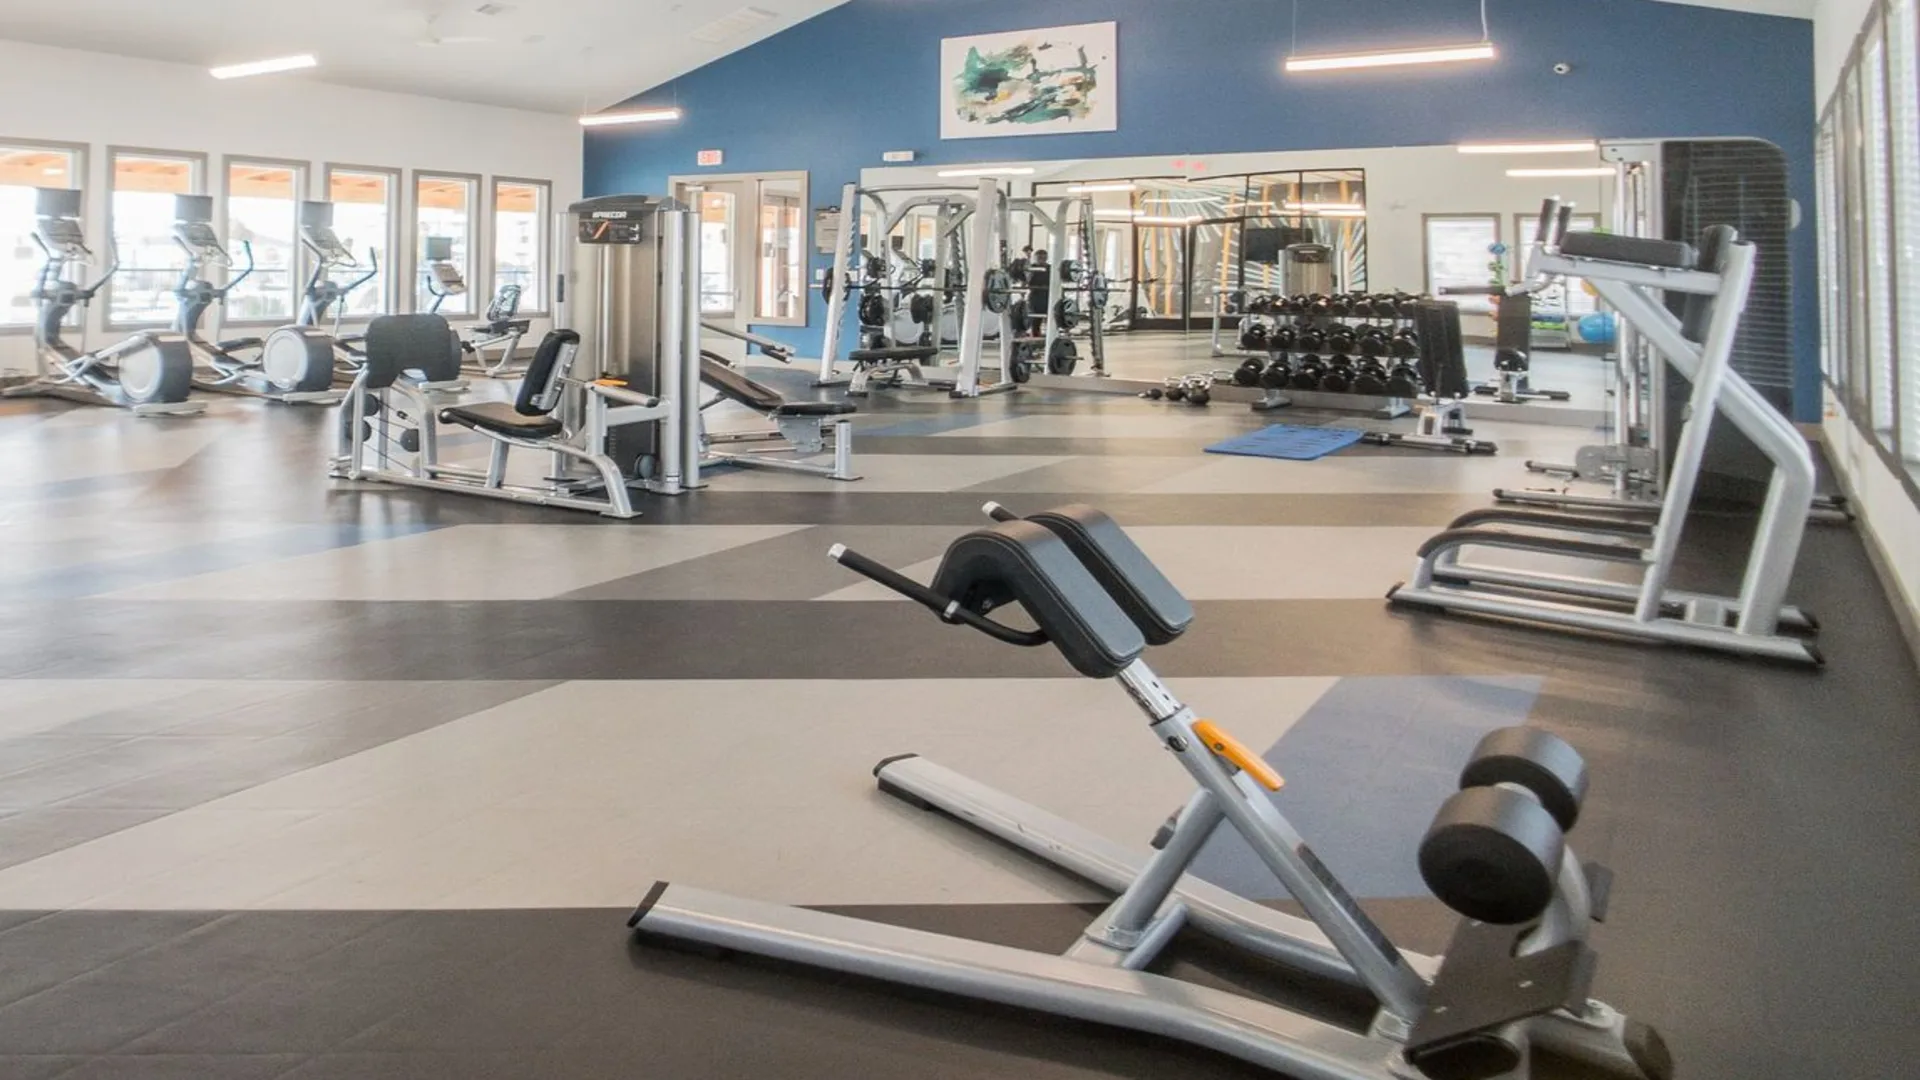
<point>1426,244</point>
<point>750,303</point>
<point>302,189</point>
<point>396,207</point>
<point>1851,374</point>
<point>479,252</point>
<point>82,154</point>
<point>543,243</point>
<point>202,169</point>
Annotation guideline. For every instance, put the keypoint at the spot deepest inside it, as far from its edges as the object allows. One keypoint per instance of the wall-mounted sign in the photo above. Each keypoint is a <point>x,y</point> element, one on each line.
<point>707,159</point>
<point>826,230</point>
<point>898,157</point>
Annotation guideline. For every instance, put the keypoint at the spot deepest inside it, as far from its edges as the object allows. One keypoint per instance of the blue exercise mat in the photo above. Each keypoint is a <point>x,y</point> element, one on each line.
<point>1289,441</point>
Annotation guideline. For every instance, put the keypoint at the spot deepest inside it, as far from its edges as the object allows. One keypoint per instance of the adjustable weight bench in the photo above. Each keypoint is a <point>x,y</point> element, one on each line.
<point>899,365</point>
<point>801,424</point>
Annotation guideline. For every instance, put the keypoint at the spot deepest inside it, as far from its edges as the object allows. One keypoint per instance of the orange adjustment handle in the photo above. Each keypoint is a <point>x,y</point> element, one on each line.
<point>1226,746</point>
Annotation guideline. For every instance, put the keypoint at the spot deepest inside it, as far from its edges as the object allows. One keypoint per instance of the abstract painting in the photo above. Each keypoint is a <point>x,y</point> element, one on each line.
<point>1030,82</point>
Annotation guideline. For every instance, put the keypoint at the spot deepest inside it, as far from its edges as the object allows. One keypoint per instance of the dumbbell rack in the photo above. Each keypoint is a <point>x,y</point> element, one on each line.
<point>1308,363</point>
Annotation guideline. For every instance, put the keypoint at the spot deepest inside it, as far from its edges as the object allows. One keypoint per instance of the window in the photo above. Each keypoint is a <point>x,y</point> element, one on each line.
<point>780,291</point>
<point>1903,86</point>
<point>263,214</point>
<point>140,216</point>
<point>716,253</point>
<point>1879,253</point>
<point>1568,294</point>
<point>363,218</point>
<point>1867,163</point>
<point>24,168</point>
<point>1460,258</point>
<point>520,239</point>
<point>443,208</point>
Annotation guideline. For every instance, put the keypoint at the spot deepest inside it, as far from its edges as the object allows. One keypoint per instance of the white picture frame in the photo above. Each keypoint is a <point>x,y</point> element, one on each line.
<point>1046,81</point>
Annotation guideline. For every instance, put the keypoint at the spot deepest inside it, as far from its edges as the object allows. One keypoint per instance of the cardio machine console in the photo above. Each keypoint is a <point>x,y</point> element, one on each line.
<point>62,236</point>
<point>199,239</point>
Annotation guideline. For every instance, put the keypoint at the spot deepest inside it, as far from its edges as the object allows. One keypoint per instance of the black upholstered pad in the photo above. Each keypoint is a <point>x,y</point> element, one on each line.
<point>1024,563</point>
<point>501,418</point>
<point>397,343</point>
<point>1118,564</point>
<point>816,408</point>
<point>760,397</point>
<point>910,353</point>
<point>1638,250</point>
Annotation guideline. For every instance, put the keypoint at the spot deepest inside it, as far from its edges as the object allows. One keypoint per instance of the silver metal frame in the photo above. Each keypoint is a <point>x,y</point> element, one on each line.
<point>1747,623</point>
<point>987,211</point>
<point>371,450</point>
<point>1101,978</point>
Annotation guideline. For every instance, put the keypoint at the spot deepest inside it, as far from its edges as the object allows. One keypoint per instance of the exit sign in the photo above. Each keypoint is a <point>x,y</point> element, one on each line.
<point>710,158</point>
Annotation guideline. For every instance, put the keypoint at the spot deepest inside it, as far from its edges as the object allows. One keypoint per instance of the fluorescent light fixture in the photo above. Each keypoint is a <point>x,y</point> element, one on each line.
<point>638,116</point>
<point>1586,147</point>
<point>1093,189</point>
<point>1181,200</point>
<point>986,170</point>
<point>1122,214</point>
<point>1479,50</point>
<point>1339,213</point>
<point>1598,170</point>
<point>1149,220</point>
<point>264,67</point>
<point>1323,207</point>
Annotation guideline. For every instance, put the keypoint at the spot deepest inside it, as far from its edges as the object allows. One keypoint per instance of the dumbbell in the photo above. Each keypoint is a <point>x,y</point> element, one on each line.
<point>1311,339</point>
<point>1405,344</point>
<point>1199,395</point>
<point>1373,341</point>
<point>1308,373</point>
<point>1495,848</point>
<point>1176,391</point>
<point>1403,304</point>
<point>1297,304</point>
<point>1369,377</point>
<point>1285,338</point>
<point>1341,339</point>
<point>1260,305</point>
<point>1338,378</point>
<point>1153,393</point>
<point>1253,335</point>
<point>1249,373</point>
<point>1404,381</point>
<point>1278,374</point>
<point>1319,305</point>
<point>1340,304</point>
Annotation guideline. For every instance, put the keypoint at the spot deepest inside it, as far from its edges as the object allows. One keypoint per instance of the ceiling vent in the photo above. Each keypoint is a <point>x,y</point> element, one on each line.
<point>731,26</point>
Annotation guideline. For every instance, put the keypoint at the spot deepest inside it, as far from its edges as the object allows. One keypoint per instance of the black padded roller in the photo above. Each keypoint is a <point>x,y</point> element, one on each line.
<point>1493,854</point>
<point>1537,760</point>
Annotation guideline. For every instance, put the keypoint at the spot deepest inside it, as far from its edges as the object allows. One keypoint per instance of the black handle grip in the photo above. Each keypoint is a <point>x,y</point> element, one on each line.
<point>943,606</point>
<point>1566,222</point>
<point>1549,212</point>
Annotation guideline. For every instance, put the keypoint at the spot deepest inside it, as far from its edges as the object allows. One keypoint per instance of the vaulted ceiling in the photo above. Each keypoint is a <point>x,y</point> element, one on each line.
<point>552,55</point>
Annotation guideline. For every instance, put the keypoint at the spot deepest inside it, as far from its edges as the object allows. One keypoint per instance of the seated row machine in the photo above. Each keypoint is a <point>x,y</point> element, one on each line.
<point>1513,985</point>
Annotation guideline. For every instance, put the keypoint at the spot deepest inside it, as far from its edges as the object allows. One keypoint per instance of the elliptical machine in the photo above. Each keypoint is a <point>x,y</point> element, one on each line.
<point>501,327</point>
<point>294,364</point>
<point>149,373</point>
<point>325,299</point>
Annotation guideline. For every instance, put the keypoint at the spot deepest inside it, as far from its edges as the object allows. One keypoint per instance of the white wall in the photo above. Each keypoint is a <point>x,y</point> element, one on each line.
<point>1835,24</point>
<point>1887,512</point>
<point>1403,184</point>
<point>81,97</point>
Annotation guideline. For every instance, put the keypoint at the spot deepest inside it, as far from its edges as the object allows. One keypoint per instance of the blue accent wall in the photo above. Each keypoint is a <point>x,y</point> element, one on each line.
<point>1204,77</point>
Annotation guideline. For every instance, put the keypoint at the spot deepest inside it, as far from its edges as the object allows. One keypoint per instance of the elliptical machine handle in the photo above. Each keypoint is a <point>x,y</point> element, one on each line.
<point>113,267</point>
<point>947,608</point>
<point>246,248</point>
<point>373,271</point>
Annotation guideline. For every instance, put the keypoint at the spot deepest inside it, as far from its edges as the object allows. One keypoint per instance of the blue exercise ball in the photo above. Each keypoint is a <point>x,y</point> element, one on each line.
<point>1597,328</point>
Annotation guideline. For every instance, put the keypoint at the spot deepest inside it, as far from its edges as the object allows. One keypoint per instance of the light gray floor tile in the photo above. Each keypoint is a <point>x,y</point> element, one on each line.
<point>793,566</point>
<point>471,562</point>
<point>29,834</point>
